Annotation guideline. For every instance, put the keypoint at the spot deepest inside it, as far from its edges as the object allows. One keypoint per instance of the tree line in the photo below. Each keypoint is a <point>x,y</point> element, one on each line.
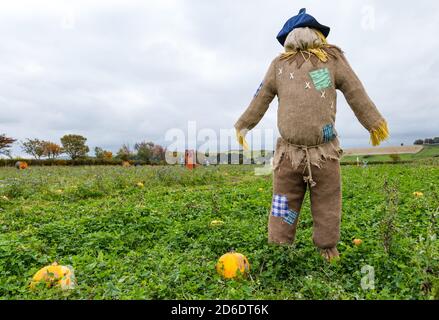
<point>434,140</point>
<point>75,147</point>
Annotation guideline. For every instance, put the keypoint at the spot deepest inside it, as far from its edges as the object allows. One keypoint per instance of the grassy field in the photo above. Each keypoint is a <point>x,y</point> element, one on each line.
<point>155,242</point>
<point>427,152</point>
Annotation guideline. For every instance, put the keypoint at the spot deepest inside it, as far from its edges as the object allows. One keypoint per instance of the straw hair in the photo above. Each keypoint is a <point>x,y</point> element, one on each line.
<point>306,41</point>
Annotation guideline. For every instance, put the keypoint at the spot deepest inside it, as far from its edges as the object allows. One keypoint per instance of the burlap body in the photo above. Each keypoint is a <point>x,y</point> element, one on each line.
<point>308,152</point>
<point>306,89</point>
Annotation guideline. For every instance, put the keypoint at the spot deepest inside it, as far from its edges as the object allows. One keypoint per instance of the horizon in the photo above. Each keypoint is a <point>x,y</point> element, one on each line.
<point>213,154</point>
<point>68,68</point>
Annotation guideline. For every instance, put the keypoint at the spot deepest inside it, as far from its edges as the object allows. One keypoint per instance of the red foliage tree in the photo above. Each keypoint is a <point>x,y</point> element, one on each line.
<point>6,144</point>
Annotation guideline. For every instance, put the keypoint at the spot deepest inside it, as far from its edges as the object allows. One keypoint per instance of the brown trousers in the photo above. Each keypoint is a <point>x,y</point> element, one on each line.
<point>325,199</point>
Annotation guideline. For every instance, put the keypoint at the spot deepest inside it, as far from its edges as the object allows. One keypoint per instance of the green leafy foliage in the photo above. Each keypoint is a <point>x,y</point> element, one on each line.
<point>156,242</point>
<point>74,146</point>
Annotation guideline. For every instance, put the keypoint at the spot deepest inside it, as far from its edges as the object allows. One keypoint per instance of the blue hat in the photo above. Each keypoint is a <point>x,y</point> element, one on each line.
<point>300,21</point>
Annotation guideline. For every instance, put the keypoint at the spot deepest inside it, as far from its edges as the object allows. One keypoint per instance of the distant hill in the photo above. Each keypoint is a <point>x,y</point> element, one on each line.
<point>408,153</point>
<point>383,150</point>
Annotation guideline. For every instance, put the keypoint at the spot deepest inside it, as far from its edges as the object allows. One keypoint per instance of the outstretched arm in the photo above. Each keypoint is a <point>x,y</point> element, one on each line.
<point>259,105</point>
<point>357,98</point>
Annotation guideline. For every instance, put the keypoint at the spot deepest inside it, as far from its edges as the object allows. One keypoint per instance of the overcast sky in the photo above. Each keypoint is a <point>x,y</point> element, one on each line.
<point>125,71</point>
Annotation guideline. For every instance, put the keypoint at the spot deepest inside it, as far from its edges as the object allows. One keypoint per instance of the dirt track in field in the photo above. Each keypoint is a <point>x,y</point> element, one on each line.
<point>382,151</point>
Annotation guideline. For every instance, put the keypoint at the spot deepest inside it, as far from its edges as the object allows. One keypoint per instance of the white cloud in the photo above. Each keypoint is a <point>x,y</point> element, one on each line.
<point>124,71</point>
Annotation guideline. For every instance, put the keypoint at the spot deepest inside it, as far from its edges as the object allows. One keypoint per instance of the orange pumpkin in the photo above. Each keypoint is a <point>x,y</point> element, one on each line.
<point>357,242</point>
<point>232,264</point>
<point>55,275</point>
<point>21,165</point>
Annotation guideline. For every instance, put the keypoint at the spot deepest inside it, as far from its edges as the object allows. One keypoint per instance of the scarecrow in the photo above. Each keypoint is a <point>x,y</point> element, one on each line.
<point>305,79</point>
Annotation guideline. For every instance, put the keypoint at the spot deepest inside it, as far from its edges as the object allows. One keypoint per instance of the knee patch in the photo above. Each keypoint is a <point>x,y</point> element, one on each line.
<point>280,209</point>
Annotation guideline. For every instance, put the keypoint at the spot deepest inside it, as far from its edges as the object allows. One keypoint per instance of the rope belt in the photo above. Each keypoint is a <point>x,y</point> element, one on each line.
<point>308,179</point>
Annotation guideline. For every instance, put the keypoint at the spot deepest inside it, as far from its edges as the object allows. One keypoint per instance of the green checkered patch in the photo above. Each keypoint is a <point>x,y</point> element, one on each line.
<point>321,79</point>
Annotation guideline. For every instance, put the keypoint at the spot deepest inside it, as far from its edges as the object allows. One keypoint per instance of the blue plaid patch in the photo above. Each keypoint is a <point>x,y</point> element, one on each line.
<point>259,89</point>
<point>280,209</point>
<point>291,217</point>
<point>328,133</point>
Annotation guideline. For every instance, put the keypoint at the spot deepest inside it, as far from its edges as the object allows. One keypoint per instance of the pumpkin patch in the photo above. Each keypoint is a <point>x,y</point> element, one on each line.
<point>158,242</point>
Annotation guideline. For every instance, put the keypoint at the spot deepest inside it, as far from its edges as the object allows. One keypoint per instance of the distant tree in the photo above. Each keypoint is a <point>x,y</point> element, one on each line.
<point>6,144</point>
<point>436,140</point>
<point>419,142</point>
<point>74,146</point>
<point>150,152</point>
<point>124,153</point>
<point>99,153</point>
<point>52,150</point>
<point>108,155</point>
<point>144,151</point>
<point>33,147</point>
<point>103,154</point>
<point>428,141</point>
<point>158,154</point>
